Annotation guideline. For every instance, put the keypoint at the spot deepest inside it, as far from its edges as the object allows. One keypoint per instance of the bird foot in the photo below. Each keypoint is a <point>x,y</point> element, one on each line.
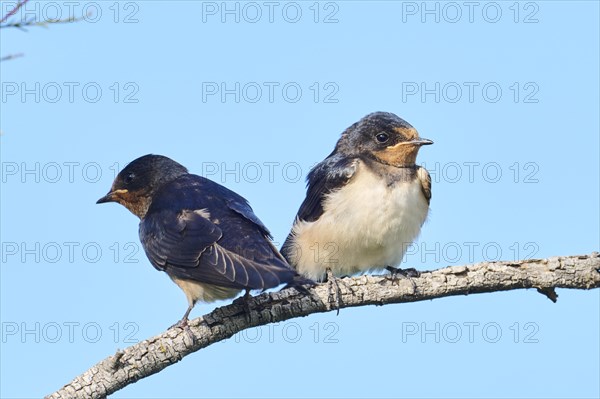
<point>396,271</point>
<point>335,292</point>
<point>396,274</point>
<point>183,325</point>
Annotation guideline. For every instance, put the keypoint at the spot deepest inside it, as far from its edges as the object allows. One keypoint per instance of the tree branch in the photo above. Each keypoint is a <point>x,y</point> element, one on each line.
<point>9,14</point>
<point>31,22</point>
<point>154,354</point>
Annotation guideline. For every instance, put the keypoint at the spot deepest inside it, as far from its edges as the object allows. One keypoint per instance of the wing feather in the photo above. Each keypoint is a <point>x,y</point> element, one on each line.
<point>329,175</point>
<point>190,246</point>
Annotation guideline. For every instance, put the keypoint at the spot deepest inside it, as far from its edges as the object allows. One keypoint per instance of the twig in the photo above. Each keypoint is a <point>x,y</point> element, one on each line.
<point>11,57</point>
<point>32,22</point>
<point>14,11</point>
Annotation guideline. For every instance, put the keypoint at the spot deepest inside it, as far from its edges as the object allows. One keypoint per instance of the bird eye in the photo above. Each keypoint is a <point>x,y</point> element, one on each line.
<point>129,177</point>
<point>382,137</point>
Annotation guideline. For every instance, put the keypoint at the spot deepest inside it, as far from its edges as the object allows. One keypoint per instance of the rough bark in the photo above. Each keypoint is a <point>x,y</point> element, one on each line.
<point>154,354</point>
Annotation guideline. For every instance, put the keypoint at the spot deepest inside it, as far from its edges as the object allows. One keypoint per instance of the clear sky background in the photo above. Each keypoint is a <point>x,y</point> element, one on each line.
<point>252,98</point>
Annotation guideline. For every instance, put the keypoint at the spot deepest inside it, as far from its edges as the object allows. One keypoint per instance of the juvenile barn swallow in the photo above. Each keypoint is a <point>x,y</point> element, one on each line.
<point>365,203</point>
<point>203,235</point>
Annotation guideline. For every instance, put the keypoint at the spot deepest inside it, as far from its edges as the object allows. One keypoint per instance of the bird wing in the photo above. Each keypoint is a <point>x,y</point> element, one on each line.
<point>177,239</point>
<point>425,180</point>
<point>240,205</point>
<point>188,245</point>
<point>329,175</point>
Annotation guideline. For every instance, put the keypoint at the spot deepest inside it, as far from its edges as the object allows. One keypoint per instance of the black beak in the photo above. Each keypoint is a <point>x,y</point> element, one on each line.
<point>110,197</point>
<point>422,142</point>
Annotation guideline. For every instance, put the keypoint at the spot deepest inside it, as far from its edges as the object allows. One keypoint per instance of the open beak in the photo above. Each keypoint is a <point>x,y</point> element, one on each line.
<point>111,196</point>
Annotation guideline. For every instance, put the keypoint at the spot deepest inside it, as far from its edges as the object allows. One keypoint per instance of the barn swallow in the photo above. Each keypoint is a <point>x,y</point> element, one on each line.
<point>203,235</point>
<point>365,203</point>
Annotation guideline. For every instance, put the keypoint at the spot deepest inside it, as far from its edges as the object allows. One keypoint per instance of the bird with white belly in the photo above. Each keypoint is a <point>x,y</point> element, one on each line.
<point>365,202</point>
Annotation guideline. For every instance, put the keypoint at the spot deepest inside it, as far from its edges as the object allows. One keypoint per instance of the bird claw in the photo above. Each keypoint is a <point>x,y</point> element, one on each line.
<point>183,325</point>
<point>410,273</point>
<point>335,292</point>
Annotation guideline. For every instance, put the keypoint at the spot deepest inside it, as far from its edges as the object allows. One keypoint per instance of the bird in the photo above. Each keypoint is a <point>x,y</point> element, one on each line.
<point>203,235</point>
<point>365,203</point>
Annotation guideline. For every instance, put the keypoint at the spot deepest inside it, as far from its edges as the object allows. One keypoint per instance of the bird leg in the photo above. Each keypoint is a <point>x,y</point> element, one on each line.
<point>183,323</point>
<point>335,292</point>
<point>186,315</point>
<point>396,272</point>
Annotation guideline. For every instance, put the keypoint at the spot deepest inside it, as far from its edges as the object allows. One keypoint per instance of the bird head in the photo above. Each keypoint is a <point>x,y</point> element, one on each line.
<point>384,137</point>
<point>136,184</point>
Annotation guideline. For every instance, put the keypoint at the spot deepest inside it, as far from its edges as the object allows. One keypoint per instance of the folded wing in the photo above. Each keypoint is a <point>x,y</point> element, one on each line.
<point>234,253</point>
<point>331,174</point>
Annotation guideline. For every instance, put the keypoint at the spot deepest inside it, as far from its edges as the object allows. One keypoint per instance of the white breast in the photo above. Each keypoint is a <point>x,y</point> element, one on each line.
<point>366,225</point>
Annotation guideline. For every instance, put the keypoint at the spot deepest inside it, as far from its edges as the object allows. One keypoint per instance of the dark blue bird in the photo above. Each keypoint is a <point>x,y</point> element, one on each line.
<point>203,235</point>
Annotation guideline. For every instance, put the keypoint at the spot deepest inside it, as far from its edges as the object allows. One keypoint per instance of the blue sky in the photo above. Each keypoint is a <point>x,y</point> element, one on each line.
<point>252,95</point>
